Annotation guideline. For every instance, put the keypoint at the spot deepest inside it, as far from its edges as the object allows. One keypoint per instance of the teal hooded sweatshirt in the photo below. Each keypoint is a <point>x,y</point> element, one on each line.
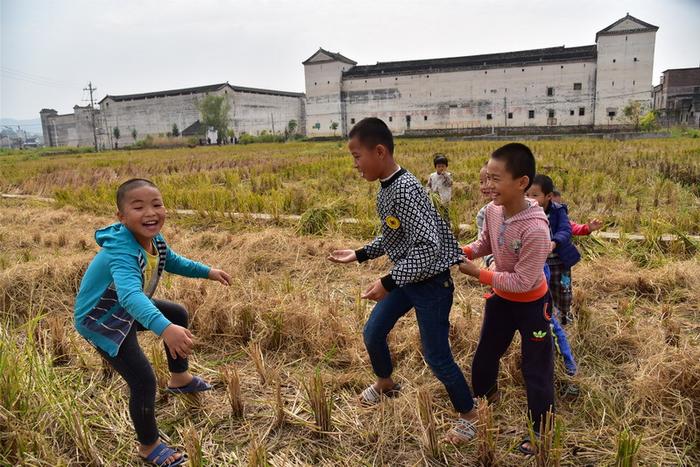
<point>111,294</point>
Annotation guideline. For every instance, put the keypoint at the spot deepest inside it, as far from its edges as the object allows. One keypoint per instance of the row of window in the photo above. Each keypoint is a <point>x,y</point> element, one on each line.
<point>530,115</point>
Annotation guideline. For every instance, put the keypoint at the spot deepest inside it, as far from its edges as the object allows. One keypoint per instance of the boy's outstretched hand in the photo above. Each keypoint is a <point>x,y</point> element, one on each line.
<point>220,276</point>
<point>595,224</point>
<point>375,291</point>
<point>343,256</point>
<point>469,268</point>
<point>178,340</point>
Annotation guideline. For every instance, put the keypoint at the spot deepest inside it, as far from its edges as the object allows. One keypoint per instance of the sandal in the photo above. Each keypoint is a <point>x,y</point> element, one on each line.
<point>462,431</point>
<point>371,396</point>
<point>196,385</point>
<point>527,451</point>
<point>161,453</point>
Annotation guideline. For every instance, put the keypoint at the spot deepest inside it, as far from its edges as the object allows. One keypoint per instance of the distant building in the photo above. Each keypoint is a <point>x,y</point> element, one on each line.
<point>677,97</point>
<point>559,86</point>
<point>563,88</point>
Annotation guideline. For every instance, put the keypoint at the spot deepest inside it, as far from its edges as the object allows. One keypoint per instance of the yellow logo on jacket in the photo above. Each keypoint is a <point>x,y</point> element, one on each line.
<point>393,222</point>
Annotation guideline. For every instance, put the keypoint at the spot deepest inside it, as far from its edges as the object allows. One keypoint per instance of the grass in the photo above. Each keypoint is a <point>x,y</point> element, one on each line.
<point>284,342</point>
<point>631,184</point>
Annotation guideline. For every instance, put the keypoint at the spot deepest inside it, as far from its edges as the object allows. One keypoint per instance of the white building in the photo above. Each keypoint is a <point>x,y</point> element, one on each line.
<point>586,86</point>
<point>557,88</point>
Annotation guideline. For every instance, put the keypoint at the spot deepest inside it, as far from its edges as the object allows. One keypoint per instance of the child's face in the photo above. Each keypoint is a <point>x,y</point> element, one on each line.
<point>535,192</point>
<point>503,188</point>
<point>368,161</point>
<point>440,168</point>
<point>483,182</point>
<point>143,212</point>
<point>556,198</point>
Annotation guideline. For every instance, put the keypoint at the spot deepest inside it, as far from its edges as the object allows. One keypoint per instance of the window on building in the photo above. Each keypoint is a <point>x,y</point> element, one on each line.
<point>634,82</point>
<point>427,76</point>
<point>571,112</point>
<point>315,83</point>
<point>352,121</point>
<point>510,114</point>
<point>530,114</point>
<point>425,118</point>
<point>489,116</point>
<point>522,69</point>
<point>486,72</point>
<point>577,86</point>
<point>562,67</point>
<point>329,82</point>
<point>614,60</point>
<point>635,59</point>
<point>550,91</point>
<point>611,113</point>
<point>391,119</point>
<point>581,111</point>
<point>613,83</point>
<point>550,113</point>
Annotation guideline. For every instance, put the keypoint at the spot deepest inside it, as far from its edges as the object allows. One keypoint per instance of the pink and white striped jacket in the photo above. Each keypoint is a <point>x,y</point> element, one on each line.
<point>520,246</point>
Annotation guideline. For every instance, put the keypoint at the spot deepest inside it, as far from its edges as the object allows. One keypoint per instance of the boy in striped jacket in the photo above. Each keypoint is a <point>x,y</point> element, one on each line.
<point>516,233</point>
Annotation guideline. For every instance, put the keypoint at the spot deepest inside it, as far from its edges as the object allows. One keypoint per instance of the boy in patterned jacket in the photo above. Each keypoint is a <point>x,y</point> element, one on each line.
<point>421,246</point>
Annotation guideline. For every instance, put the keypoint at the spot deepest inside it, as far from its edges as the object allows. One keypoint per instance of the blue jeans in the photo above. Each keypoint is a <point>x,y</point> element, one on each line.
<point>562,344</point>
<point>432,300</point>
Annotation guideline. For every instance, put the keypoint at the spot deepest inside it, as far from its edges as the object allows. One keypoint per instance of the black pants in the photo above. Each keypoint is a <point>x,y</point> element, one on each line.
<point>134,367</point>
<point>501,319</point>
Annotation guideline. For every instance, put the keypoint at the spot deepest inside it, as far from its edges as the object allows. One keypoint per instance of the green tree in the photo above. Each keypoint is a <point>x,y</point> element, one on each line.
<point>175,131</point>
<point>134,134</point>
<point>214,114</point>
<point>633,112</point>
<point>292,127</point>
<point>334,126</point>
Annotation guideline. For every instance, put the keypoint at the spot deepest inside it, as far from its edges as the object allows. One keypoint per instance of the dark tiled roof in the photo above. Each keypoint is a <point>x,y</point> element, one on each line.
<point>336,56</point>
<point>643,26</point>
<point>193,130</point>
<point>524,57</point>
<point>199,90</point>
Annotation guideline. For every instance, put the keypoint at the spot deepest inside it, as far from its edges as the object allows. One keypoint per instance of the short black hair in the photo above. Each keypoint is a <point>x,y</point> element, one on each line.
<point>544,182</point>
<point>129,185</point>
<point>439,159</point>
<point>518,159</point>
<point>556,193</point>
<point>372,131</point>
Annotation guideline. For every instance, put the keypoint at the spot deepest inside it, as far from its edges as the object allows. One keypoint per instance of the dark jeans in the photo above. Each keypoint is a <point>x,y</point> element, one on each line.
<point>532,320</point>
<point>432,299</point>
<point>134,367</point>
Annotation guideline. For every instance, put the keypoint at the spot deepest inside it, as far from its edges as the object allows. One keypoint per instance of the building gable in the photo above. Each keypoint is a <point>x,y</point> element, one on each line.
<point>628,24</point>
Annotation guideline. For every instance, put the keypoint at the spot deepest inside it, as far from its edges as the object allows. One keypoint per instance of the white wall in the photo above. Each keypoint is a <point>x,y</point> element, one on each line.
<point>620,78</point>
<point>463,99</point>
<point>323,106</point>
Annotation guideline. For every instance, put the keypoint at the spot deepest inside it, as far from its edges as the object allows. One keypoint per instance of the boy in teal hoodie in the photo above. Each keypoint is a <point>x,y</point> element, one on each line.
<point>114,302</point>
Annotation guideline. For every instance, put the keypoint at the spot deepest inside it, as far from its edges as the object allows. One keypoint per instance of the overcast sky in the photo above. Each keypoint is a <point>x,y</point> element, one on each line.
<point>51,49</point>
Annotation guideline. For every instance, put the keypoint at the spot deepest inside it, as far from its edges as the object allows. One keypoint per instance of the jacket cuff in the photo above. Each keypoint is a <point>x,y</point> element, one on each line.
<point>467,250</point>
<point>361,255</point>
<point>486,276</point>
<point>388,283</point>
<point>159,324</point>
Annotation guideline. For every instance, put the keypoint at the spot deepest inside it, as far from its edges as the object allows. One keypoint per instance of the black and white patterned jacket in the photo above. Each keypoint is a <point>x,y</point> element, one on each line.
<point>415,237</point>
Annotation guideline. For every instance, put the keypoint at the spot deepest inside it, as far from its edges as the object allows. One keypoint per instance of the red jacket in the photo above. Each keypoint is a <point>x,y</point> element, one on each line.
<point>580,229</point>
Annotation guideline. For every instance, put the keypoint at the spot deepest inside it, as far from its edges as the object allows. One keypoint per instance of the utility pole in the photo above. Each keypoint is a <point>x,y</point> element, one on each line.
<point>505,115</point>
<point>92,113</point>
<point>272,117</point>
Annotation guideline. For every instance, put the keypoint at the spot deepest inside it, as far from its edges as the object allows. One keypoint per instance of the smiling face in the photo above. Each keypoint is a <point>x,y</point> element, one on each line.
<point>503,188</point>
<point>535,192</point>
<point>142,212</point>
<point>483,184</point>
<point>370,162</point>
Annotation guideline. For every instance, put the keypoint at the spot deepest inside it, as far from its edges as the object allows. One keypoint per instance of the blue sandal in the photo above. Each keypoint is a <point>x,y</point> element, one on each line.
<point>160,455</point>
<point>196,385</point>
